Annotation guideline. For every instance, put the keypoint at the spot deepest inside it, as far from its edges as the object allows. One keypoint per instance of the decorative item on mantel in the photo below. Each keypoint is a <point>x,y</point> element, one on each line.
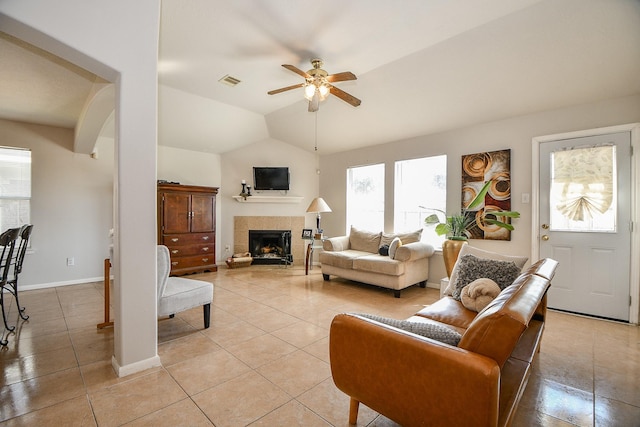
<point>458,227</point>
<point>317,206</point>
<point>246,190</point>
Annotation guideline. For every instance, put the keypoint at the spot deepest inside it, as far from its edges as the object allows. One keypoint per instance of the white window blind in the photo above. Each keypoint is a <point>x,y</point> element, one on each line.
<point>15,187</point>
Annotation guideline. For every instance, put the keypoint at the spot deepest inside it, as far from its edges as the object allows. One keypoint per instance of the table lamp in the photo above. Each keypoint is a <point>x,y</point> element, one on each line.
<point>317,206</point>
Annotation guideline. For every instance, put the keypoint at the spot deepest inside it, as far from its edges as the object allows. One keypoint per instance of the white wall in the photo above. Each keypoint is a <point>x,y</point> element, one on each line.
<point>189,167</point>
<point>514,133</point>
<point>238,165</point>
<point>71,205</point>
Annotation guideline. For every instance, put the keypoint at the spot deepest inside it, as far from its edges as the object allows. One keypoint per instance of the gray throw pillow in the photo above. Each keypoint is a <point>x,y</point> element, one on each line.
<point>472,268</point>
<point>437,332</point>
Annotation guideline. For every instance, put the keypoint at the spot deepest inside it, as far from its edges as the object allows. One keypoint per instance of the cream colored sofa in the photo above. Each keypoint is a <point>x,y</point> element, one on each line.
<point>356,257</point>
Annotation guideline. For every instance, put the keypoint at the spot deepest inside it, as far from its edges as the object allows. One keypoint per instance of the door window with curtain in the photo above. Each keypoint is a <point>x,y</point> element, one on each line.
<point>582,194</point>
<point>420,188</point>
<point>15,187</point>
<point>365,197</point>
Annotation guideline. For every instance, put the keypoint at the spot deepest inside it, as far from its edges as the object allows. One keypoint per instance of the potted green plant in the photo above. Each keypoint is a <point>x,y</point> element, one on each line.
<point>458,227</point>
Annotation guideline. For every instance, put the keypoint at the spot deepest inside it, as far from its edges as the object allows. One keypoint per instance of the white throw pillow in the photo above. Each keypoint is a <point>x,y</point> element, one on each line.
<point>393,247</point>
<point>520,261</point>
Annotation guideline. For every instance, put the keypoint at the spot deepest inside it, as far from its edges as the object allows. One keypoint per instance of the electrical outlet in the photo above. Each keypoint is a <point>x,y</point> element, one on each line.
<point>71,261</point>
<point>227,248</point>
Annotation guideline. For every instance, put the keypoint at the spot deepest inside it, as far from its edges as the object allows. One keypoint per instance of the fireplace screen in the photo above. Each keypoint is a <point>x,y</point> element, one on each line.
<point>270,246</point>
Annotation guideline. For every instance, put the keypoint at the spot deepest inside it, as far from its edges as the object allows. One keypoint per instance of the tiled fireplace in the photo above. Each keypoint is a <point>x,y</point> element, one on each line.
<point>242,225</point>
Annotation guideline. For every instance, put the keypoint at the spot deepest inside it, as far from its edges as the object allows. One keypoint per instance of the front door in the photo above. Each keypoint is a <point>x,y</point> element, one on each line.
<point>584,222</point>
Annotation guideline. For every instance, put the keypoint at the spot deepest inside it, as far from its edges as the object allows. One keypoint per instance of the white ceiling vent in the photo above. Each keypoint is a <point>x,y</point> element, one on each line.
<point>229,80</point>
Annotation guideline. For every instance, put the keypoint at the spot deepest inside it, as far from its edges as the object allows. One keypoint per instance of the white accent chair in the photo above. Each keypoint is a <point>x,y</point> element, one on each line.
<point>176,294</point>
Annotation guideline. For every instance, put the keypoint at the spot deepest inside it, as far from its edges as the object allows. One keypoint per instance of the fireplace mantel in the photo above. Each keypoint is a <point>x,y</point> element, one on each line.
<point>268,199</point>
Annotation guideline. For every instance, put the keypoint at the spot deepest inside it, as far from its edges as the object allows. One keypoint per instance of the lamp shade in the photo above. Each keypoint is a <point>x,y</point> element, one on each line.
<point>318,205</point>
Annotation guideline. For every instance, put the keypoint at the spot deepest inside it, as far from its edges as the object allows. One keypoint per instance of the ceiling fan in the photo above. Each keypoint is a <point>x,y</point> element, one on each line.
<point>317,85</point>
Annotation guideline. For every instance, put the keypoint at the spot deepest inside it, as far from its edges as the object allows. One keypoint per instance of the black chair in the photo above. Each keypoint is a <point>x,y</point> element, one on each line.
<point>12,284</point>
<point>8,243</point>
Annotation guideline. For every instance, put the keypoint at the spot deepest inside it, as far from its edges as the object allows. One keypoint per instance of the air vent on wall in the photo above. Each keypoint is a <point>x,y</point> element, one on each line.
<point>229,80</point>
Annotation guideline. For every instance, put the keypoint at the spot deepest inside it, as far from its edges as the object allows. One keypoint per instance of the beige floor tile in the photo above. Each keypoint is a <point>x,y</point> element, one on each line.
<point>559,401</point>
<point>575,371</point>
<point>173,328</point>
<point>301,334</point>
<point>185,348</point>
<point>129,400</point>
<point>291,414</point>
<point>34,327</point>
<point>232,334</point>
<point>382,421</point>
<point>240,401</point>
<point>333,405</point>
<point>37,365</point>
<point>37,393</point>
<point>296,373</point>
<point>319,349</point>
<point>614,413</point>
<point>100,375</point>
<point>73,412</point>
<point>618,385</point>
<point>270,319</point>
<point>261,350</point>
<point>182,413</point>
<point>208,370</point>
<point>92,344</point>
<point>26,346</point>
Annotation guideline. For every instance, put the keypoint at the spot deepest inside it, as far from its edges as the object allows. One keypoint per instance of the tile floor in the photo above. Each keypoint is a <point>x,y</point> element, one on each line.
<point>264,360</point>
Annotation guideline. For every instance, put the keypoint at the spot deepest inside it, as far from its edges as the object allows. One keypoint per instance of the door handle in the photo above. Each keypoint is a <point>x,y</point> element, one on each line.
<point>545,237</point>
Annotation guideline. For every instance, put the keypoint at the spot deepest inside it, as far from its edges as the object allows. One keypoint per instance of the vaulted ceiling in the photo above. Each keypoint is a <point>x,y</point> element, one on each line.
<point>423,66</point>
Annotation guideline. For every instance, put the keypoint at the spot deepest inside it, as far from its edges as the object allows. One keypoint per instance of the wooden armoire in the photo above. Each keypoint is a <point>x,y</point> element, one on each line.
<point>187,226</point>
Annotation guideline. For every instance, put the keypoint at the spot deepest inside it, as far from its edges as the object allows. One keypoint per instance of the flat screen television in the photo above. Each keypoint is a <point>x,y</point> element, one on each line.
<point>271,178</point>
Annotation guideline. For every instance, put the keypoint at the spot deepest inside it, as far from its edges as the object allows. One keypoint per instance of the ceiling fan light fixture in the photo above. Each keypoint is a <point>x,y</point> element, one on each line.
<point>324,90</point>
<point>309,90</point>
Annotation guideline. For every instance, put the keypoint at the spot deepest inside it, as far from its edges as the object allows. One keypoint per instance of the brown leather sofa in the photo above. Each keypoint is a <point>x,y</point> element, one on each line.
<point>418,381</point>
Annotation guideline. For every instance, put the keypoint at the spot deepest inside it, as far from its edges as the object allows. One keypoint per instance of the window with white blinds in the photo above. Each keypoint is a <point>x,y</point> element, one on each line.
<point>15,187</point>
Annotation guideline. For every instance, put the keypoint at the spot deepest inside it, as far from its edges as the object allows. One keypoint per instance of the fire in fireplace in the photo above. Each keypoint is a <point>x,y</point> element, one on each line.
<point>270,246</point>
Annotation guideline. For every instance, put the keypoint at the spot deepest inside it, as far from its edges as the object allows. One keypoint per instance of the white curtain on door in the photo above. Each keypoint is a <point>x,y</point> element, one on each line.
<point>585,176</point>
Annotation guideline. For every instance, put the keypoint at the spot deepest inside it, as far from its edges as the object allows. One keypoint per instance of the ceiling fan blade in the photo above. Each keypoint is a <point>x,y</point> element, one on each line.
<point>341,77</point>
<point>297,70</point>
<point>344,96</point>
<point>284,89</point>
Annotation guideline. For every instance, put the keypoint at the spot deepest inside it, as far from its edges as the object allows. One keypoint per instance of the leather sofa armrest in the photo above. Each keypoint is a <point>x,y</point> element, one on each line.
<point>336,244</point>
<point>415,250</point>
<point>411,379</point>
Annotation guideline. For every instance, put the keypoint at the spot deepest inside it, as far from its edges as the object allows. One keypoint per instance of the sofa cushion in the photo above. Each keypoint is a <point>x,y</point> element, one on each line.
<point>472,268</point>
<point>366,241</point>
<point>393,247</point>
<point>408,237</point>
<point>342,259</point>
<point>520,261</point>
<point>449,311</point>
<point>379,264</point>
<point>427,329</point>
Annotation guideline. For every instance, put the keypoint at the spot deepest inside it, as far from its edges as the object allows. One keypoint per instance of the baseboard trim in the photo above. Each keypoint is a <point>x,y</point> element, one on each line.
<point>132,368</point>
<point>63,283</point>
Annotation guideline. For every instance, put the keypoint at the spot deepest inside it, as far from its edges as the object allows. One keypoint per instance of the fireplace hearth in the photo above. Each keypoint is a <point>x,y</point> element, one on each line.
<point>270,246</point>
